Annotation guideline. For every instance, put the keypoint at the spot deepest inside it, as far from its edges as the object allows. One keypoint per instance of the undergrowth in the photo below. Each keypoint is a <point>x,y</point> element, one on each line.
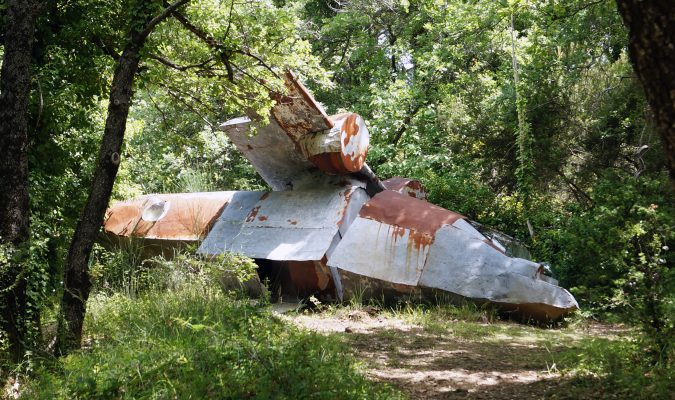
<point>198,341</point>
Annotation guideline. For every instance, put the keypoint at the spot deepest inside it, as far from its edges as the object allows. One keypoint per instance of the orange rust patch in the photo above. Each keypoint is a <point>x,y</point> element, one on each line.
<point>251,215</point>
<point>337,163</point>
<point>412,187</point>
<point>190,217</point>
<point>348,195</point>
<point>304,275</point>
<point>262,218</point>
<point>330,163</point>
<point>350,128</point>
<point>403,211</point>
<point>265,195</point>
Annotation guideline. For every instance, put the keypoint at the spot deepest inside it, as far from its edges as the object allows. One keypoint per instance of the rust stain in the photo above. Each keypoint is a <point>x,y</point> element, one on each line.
<point>337,163</point>
<point>292,222</point>
<point>251,215</point>
<point>343,162</point>
<point>417,240</point>
<point>264,196</point>
<point>404,211</point>
<point>411,187</point>
<point>348,196</point>
<point>330,163</point>
<point>489,243</point>
<point>303,275</point>
<point>296,112</point>
<point>262,218</point>
<point>189,217</point>
<point>350,128</point>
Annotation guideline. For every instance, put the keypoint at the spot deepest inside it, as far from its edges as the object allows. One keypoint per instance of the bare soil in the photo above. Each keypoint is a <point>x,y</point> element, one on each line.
<point>460,360</point>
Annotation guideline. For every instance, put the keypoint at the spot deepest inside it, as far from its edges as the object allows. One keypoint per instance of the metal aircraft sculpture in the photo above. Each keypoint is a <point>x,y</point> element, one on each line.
<point>330,228</point>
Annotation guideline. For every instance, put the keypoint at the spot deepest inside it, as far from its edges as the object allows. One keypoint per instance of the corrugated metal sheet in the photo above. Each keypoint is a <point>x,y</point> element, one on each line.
<point>467,266</point>
<point>381,251</point>
<point>228,226</point>
<point>290,225</point>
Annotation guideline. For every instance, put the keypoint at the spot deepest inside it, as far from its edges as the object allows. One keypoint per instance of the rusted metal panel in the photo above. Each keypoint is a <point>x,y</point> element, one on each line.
<point>177,217</point>
<point>382,251</point>
<point>299,138</point>
<point>395,231</point>
<point>340,150</point>
<point>281,162</point>
<point>410,187</point>
<point>295,225</point>
<point>413,243</point>
<point>400,210</point>
<point>296,111</point>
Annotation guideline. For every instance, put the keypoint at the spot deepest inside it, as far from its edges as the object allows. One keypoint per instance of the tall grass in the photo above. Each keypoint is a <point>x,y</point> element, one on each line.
<point>198,341</point>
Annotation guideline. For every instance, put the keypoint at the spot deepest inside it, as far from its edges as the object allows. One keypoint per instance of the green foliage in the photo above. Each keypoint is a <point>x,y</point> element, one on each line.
<point>616,368</point>
<point>436,84</point>
<point>196,341</point>
<point>625,238</point>
<point>26,265</point>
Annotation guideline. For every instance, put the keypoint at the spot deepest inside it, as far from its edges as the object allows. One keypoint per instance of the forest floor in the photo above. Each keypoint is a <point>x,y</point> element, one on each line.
<point>427,357</point>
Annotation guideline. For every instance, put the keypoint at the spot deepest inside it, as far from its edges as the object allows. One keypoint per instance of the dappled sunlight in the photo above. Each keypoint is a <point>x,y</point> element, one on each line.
<point>427,358</point>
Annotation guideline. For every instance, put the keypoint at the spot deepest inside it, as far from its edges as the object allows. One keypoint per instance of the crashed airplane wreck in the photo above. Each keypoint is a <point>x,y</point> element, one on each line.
<point>330,228</point>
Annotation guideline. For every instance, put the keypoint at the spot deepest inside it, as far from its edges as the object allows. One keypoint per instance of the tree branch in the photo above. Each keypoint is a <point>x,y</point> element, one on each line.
<point>161,17</point>
<point>107,49</point>
<point>163,60</point>
<point>212,42</point>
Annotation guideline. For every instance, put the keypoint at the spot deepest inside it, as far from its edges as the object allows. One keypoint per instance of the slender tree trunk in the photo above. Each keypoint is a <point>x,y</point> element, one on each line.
<point>651,25</point>
<point>77,282</point>
<point>15,80</point>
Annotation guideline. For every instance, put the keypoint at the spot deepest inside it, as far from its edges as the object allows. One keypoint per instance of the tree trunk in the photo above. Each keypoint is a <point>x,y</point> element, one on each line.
<point>77,282</point>
<point>651,25</point>
<point>15,80</point>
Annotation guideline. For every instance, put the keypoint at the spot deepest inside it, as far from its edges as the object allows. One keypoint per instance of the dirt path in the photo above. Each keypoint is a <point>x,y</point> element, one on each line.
<point>456,360</point>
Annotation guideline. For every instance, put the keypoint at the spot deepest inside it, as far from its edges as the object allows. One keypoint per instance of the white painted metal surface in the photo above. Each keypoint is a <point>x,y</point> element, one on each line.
<point>295,225</point>
<point>380,251</point>
<point>228,226</point>
<point>458,260</point>
<point>270,150</point>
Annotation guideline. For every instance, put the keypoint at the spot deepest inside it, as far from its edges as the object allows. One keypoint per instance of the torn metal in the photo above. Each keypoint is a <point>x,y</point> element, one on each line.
<point>410,187</point>
<point>331,228</point>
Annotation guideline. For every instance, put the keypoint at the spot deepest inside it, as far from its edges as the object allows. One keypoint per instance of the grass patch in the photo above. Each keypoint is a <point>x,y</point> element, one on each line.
<point>616,368</point>
<point>197,342</point>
